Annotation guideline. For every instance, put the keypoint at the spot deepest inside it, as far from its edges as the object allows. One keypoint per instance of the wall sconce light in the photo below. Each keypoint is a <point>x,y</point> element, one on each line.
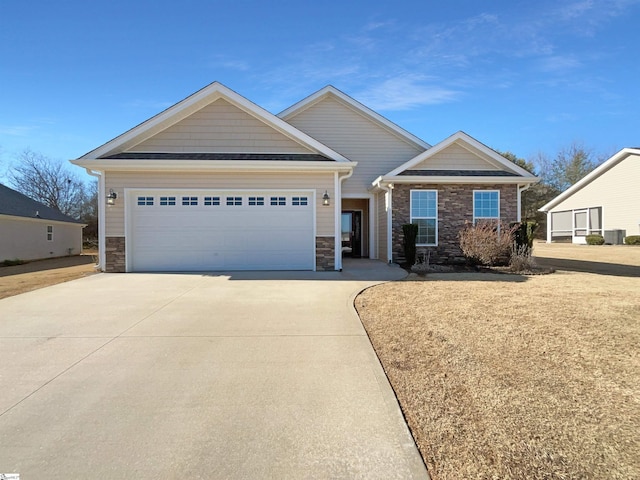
<point>111,198</point>
<point>325,199</point>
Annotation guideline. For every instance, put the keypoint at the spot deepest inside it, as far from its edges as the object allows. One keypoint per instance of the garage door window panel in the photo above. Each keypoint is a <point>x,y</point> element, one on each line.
<point>167,201</point>
<point>256,201</point>
<point>278,201</point>
<point>189,201</point>
<point>234,201</point>
<point>299,201</point>
<point>211,201</point>
<point>145,201</point>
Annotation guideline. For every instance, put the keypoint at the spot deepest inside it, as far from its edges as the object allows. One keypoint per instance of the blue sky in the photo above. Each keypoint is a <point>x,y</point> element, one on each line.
<point>522,76</point>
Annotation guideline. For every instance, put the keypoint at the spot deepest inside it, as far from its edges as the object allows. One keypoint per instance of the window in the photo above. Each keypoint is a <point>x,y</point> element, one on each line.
<point>145,201</point>
<point>486,205</point>
<point>424,213</point>
<point>234,201</point>
<point>278,201</point>
<point>253,201</point>
<point>164,201</point>
<point>299,201</point>
<point>50,233</point>
<point>211,201</point>
<point>189,200</point>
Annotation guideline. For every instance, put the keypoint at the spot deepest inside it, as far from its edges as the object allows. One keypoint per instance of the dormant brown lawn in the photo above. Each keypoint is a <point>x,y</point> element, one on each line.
<point>43,273</point>
<point>506,376</point>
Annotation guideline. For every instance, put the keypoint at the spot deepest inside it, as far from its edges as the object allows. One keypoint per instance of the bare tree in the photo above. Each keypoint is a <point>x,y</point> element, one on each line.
<point>48,181</point>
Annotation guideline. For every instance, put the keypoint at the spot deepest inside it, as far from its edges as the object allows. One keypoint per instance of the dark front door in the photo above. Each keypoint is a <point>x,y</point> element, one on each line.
<point>351,233</point>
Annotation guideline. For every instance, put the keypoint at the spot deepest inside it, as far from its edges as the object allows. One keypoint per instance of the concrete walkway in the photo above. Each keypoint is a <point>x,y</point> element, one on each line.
<point>242,375</point>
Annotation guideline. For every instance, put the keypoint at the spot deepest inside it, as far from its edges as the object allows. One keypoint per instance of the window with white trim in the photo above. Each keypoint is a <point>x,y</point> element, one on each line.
<point>256,201</point>
<point>145,201</point>
<point>234,201</point>
<point>211,201</point>
<point>50,233</point>
<point>189,201</point>
<point>424,213</point>
<point>299,201</point>
<point>486,205</point>
<point>279,201</point>
<point>167,201</point>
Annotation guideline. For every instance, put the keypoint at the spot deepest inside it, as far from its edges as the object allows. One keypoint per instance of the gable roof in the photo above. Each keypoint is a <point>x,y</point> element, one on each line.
<point>18,205</point>
<point>606,166</point>
<point>195,102</point>
<point>476,147</point>
<point>345,99</point>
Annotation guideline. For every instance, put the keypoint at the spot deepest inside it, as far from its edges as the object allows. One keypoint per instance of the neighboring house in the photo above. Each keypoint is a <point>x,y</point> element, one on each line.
<point>30,230</point>
<point>216,182</point>
<point>606,199</point>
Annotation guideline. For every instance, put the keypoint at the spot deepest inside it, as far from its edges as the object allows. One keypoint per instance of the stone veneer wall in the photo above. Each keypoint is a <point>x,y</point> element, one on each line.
<point>455,208</point>
<point>325,253</point>
<point>115,255</point>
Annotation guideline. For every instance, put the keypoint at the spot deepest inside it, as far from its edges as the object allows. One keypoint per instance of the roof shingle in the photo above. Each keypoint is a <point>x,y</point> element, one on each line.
<point>19,205</point>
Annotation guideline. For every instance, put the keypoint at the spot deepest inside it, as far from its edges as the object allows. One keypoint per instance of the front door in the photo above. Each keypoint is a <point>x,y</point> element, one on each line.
<point>351,233</point>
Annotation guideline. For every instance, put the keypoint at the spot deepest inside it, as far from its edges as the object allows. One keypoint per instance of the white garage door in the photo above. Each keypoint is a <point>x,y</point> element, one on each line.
<point>189,230</point>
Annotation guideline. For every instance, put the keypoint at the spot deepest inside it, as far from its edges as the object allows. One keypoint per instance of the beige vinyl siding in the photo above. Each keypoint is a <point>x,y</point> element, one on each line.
<point>617,192</point>
<point>220,127</point>
<point>26,239</point>
<point>455,157</point>
<point>376,149</point>
<point>382,226</point>
<point>270,181</point>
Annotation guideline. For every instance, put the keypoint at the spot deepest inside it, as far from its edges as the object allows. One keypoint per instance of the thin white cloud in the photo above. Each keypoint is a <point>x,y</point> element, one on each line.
<point>405,92</point>
<point>17,130</point>
<point>559,63</point>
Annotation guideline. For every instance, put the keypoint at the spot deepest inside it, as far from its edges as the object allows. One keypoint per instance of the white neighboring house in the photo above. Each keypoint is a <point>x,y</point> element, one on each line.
<point>30,230</point>
<point>606,200</point>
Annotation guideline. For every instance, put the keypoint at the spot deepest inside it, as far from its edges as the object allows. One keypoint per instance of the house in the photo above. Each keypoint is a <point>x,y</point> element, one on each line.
<point>30,230</point>
<point>606,199</point>
<point>216,182</point>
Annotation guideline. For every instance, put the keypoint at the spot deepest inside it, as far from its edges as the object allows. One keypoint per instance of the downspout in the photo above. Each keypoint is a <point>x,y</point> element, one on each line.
<point>520,190</point>
<point>101,217</point>
<point>389,190</point>
<point>338,216</point>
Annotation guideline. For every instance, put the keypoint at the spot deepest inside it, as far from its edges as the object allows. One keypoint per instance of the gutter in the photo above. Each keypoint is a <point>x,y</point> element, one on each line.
<point>213,166</point>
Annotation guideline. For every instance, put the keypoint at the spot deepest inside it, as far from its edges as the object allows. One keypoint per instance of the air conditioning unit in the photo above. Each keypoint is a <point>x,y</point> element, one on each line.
<point>614,237</point>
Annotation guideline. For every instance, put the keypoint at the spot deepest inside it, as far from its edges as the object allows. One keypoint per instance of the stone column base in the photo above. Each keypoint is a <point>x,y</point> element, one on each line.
<point>325,254</point>
<point>115,255</point>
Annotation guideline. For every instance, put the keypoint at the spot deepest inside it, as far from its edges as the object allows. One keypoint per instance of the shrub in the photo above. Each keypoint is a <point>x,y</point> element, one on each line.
<point>521,259</point>
<point>410,231</point>
<point>524,234</point>
<point>632,240</point>
<point>487,243</point>
<point>595,240</point>
<point>11,263</point>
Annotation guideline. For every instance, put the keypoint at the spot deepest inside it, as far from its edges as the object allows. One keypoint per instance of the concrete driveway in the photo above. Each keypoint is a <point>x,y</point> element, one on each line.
<point>245,375</point>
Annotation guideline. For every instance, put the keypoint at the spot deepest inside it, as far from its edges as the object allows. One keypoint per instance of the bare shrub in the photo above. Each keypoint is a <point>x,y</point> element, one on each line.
<point>487,243</point>
<point>521,259</point>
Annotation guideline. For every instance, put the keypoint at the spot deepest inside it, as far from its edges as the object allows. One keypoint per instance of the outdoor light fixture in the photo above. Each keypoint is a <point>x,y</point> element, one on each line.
<point>325,198</point>
<point>111,198</point>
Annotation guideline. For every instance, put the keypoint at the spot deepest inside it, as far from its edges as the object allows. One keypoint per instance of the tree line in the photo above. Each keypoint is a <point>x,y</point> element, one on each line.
<point>558,173</point>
